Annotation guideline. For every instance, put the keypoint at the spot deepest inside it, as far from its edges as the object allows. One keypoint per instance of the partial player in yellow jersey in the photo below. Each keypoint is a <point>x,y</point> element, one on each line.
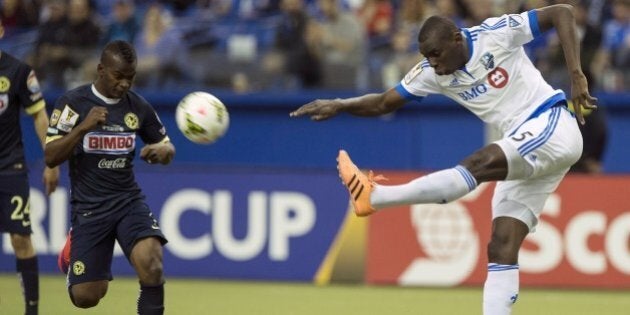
<point>19,90</point>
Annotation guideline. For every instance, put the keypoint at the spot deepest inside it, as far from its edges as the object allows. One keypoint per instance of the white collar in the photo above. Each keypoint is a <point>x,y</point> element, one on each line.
<point>107,100</point>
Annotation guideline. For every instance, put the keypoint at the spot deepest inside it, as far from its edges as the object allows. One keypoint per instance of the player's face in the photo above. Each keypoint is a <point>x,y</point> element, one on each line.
<point>445,56</point>
<point>116,77</point>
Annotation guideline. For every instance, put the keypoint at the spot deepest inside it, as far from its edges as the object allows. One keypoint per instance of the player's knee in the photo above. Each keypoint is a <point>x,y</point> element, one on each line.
<point>86,297</point>
<point>22,245</point>
<point>487,164</point>
<point>501,250</point>
<point>85,300</point>
<point>155,271</point>
<point>151,270</point>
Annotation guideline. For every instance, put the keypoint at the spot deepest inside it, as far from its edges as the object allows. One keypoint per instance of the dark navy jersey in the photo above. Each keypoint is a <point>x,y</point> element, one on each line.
<point>19,88</point>
<point>101,166</point>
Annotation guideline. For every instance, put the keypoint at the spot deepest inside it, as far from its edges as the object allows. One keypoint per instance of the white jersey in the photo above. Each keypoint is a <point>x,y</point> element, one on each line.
<point>499,83</point>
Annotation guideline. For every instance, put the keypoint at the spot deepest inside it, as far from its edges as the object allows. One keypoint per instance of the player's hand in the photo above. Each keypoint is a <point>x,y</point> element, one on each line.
<point>318,109</point>
<point>96,117</point>
<point>581,97</point>
<point>162,153</point>
<point>50,179</point>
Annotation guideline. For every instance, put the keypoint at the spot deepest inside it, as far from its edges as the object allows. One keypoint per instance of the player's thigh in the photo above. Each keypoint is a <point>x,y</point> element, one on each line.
<point>14,204</point>
<point>137,224</point>
<point>524,199</point>
<point>91,248</point>
<point>545,145</point>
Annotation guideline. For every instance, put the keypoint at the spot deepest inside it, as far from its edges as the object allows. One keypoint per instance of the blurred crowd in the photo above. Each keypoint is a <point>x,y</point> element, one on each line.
<point>252,45</point>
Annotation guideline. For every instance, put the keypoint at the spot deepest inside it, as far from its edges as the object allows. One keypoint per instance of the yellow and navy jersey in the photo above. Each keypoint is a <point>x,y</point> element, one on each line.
<point>101,165</point>
<point>19,89</point>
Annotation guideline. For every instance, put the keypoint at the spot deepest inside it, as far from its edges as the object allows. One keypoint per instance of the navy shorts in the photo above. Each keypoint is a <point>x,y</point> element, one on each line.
<point>15,214</point>
<point>93,239</point>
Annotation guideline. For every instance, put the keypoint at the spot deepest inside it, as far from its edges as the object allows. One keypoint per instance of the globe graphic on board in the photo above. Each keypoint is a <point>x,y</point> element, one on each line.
<point>443,230</point>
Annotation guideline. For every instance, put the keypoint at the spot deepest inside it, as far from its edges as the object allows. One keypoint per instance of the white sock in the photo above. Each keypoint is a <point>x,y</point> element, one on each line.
<point>500,290</point>
<point>439,187</point>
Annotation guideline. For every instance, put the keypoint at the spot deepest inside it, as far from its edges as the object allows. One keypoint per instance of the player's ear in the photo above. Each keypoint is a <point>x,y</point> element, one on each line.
<point>457,36</point>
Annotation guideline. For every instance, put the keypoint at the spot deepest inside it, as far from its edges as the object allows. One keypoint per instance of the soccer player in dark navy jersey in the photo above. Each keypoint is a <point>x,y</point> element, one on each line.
<point>95,127</point>
<point>19,89</point>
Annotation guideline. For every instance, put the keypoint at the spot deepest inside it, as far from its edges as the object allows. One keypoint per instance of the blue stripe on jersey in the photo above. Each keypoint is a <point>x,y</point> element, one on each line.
<point>406,94</point>
<point>533,144</point>
<point>555,100</point>
<point>470,180</point>
<point>425,63</point>
<point>469,42</point>
<point>533,22</point>
<point>474,33</point>
<point>549,103</point>
<point>501,24</point>
<point>499,267</point>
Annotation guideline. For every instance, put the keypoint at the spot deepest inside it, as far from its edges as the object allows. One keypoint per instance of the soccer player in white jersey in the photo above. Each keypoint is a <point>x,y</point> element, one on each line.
<point>485,69</point>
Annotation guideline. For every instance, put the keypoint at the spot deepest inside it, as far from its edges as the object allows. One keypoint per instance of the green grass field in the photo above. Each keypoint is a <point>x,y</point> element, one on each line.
<point>185,296</point>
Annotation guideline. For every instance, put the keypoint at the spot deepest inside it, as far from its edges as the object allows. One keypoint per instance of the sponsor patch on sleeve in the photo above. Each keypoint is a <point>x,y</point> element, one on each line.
<point>52,131</point>
<point>67,119</point>
<point>54,117</point>
<point>414,72</point>
<point>32,83</point>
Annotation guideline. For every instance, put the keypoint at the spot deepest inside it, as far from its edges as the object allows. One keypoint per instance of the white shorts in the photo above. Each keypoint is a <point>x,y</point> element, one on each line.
<point>539,153</point>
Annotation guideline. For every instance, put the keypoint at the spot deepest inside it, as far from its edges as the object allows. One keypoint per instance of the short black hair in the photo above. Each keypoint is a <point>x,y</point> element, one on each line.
<point>437,26</point>
<point>120,48</point>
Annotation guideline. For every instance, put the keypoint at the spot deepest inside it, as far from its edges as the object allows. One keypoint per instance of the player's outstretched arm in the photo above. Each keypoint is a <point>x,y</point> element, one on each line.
<point>367,105</point>
<point>50,177</point>
<point>59,150</point>
<point>561,18</point>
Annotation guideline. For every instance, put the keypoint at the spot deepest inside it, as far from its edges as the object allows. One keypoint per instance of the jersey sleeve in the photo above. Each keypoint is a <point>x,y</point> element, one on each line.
<point>62,119</point>
<point>418,82</point>
<point>29,91</point>
<point>152,130</point>
<point>513,30</point>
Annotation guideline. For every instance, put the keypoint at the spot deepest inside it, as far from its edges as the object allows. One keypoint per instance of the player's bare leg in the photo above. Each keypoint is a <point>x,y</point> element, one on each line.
<point>88,294</point>
<point>146,258</point>
<point>502,283</point>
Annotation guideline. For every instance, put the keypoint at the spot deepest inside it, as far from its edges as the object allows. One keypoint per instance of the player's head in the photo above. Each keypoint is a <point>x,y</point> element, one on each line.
<point>442,43</point>
<point>117,69</point>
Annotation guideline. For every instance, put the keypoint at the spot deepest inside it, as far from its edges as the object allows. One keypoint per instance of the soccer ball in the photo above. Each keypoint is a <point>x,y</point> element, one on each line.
<point>202,117</point>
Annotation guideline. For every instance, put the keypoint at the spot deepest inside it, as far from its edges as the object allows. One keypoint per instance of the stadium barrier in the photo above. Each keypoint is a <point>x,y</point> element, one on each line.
<point>295,225</point>
<point>582,239</point>
<point>432,135</point>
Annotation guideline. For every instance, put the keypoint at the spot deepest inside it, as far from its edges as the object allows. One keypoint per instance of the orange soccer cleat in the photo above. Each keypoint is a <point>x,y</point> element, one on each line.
<point>63,260</point>
<point>359,185</point>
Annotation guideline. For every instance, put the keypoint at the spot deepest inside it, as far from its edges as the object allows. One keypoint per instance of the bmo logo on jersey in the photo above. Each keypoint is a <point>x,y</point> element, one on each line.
<point>107,143</point>
<point>473,92</point>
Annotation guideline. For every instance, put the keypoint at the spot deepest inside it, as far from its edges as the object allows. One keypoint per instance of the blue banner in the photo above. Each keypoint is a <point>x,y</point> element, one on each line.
<point>234,223</point>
